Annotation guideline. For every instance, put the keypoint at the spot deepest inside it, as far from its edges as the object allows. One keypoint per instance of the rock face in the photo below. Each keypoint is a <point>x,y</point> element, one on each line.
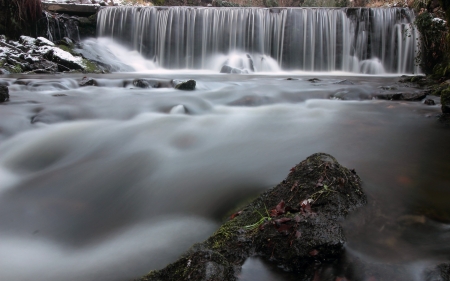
<point>4,93</point>
<point>31,55</point>
<point>294,225</point>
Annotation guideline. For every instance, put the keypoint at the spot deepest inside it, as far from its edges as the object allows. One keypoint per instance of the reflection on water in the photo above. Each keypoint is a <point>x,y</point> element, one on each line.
<point>108,182</point>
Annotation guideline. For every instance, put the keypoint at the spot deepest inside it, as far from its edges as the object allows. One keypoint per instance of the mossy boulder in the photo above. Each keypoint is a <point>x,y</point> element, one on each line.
<point>445,100</point>
<point>294,225</point>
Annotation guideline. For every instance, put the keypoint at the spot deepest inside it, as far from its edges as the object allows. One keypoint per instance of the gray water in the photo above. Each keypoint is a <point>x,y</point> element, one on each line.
<point>109,182</point>
<point>359,40</point>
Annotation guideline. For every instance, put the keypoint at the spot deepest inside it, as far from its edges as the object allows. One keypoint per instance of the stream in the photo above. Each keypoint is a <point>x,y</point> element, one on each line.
<point>110,182</point>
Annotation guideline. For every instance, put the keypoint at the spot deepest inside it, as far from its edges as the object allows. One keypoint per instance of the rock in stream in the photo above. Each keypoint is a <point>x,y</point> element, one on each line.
<point>294,225</point>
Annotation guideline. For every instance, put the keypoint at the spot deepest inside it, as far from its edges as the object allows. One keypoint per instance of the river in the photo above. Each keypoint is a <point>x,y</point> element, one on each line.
<point>111,181</point>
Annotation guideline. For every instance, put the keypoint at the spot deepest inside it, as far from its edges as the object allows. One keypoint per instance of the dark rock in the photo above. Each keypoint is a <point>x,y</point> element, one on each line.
<point>4,93</point>
<point>445,100</point>
<point>388,88</point>
<point>294,225</point>
<point>438,273</point>
<point>345,82</point>
<point>429,102</point>
<point>252,101</point>
<point>188,85</point>
<point>403,96</point>
<point>142,83</point>
<point>66,42</point>
<point>413,96</point>
<point>229,69</point>
<point>44,66</point>
<point>86,81</point>
<point>290,79</point>
<point>314,80</point>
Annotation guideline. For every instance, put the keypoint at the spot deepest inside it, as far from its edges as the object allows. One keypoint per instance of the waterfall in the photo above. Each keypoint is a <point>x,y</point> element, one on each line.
<point>360,40</point>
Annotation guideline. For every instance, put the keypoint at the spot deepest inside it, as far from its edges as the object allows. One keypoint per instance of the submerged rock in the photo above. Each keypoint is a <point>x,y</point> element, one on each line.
<point>228,69</point>
<point>416,96</point>
<point>4,93</point>
<point>294,225</point>
<point>438,273</point>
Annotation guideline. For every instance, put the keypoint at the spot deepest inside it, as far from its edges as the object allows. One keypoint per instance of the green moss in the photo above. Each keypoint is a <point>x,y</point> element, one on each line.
<point>445,97</point>
<point>15,69</point>
<point>2,63</point>
<point>90,67</point>
<point>68,49</point>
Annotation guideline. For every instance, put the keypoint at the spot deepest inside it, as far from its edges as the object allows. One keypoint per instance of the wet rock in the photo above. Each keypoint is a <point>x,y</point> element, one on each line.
<point>228,69</point>
<point>314,80</point>
<point>415,96</point>
<point>4,71</point>
<point>44,66</point>
<point>4,93</point>
<point>188,85</point>
<point>345,82</point>
<point>388,88</point>
<point>290,79</point>
<point>438,273</point>
<point>429,102</point>
<point>142,83</point>
<point>86,81</point>
<point>66,41</point>
<point>294,225</point>
<point>252,101</point>
<point>445,100</point>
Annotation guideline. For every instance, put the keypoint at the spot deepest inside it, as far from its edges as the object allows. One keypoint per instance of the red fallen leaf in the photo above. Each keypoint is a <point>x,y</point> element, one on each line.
<point>297,218</point>
<point>316,276</point>
<point>235,215</point>
<point>282,220</point>
<point>341,279</point>
<point>280,207</point>
<point>341,182</point>
<point>298,234</point>
<point>314,252</point>
<point>292,169</point>
<point>273,213</point>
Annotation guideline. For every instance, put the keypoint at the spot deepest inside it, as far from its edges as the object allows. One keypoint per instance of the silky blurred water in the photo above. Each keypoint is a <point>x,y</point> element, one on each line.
<point>109,182</point>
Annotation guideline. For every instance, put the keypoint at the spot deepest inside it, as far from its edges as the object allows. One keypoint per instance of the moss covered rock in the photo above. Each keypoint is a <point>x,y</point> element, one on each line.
<point>445,100</point>
<point>294,225</point>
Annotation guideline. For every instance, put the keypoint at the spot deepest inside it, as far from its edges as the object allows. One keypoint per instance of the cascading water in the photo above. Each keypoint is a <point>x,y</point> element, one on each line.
<point>362,40</point>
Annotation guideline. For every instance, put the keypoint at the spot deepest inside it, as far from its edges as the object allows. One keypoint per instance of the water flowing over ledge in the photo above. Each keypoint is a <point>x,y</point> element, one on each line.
<point>358,40</point>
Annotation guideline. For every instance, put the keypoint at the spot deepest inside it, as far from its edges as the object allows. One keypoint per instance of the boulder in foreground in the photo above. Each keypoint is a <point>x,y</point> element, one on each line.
<point>294,225</point>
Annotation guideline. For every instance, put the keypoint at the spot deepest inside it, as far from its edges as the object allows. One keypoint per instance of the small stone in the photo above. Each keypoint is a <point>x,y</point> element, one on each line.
<point>86,81</point>
<point>188,85</point>
<point>429,102</point>
<point>4,93</point>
